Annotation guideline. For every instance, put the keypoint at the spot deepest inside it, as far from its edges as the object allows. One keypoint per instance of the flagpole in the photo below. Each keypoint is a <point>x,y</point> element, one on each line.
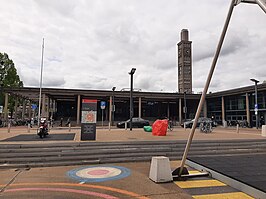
<point>40,95</point>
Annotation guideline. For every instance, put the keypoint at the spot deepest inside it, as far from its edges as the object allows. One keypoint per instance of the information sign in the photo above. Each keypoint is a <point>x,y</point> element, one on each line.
<point>33,106</point>
<point>103,104</point>
<point>88,119</point>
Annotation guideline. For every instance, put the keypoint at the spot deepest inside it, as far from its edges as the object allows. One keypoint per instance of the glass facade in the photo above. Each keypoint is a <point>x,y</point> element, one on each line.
<point>235,108</point>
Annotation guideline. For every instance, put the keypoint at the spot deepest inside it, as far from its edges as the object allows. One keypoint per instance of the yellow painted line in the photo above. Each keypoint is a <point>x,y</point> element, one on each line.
<point>193,172</point>
<point>199,183</point>
<point>235,195</point>
<point>121,191</point>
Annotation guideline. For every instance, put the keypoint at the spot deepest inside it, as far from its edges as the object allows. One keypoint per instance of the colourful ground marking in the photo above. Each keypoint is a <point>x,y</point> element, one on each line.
<point>199,183</point>
<point>235,195</point>
<point>101,195</point>
<point>121,191</point>
<point>203,189</point>
<point>98,173</point>
<point>194,171</point>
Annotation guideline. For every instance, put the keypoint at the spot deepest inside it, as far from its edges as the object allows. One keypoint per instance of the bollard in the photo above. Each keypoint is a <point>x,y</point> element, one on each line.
<point>224,124</point>
<point>8,127</point>
<point>28,128</point>
<point>237,128</point>
<point>125,125</point>
<point>160,170</point>
<point>69,127</point>
<point>109,126</point>
<point>263,130</point>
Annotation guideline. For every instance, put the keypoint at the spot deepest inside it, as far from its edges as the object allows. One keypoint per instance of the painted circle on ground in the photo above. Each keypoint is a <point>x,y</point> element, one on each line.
<point>84,192</point>
<point>72,186</point>
<point>98,173</point>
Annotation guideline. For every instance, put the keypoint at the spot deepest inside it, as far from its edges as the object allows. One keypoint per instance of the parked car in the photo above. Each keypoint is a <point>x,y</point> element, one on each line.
<point>188,124</point>
<point>136,123</point>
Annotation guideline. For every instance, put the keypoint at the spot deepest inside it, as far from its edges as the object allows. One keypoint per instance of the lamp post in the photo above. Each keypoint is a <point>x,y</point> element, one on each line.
<point>1,90</point>
<point>40,94</point>
<point>131,73</point>
<point>256,107</point>
<point>113,106</point>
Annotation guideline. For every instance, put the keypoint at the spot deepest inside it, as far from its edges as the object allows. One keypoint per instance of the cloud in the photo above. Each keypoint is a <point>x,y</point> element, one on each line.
<point>94,44</point>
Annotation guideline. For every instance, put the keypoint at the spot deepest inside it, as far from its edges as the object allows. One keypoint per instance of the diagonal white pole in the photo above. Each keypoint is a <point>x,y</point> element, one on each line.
<point>40,95</point>
<point>262,4</point>
<point>233,3</point>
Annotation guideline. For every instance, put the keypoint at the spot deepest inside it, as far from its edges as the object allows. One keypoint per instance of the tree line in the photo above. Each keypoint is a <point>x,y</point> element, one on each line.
<point>8,79</point>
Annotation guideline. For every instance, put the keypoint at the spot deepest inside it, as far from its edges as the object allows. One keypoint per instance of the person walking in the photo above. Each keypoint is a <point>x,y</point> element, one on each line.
<point>68,121</point>
<point>262,122</point>
<point>61,122</point>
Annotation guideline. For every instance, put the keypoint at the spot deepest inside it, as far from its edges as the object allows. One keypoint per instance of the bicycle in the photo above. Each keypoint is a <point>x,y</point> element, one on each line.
<point>170,125</point>
<point>206,127</point>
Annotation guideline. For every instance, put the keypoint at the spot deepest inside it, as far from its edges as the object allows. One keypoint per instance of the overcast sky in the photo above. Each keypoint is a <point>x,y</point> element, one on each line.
<point>93,44</point>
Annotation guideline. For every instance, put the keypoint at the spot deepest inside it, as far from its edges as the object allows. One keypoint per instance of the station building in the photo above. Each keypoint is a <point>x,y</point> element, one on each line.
<point>230,105</point>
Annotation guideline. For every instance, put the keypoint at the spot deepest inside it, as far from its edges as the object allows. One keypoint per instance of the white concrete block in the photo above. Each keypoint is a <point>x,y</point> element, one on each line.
<point>160,170</point>
<point>263,130</point>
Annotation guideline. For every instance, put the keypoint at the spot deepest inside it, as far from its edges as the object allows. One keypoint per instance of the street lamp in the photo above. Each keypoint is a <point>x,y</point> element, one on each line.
<point>40,94</point>
<point>1,92</point>
<point>131,73</point>
<point>1,88</point>
<point>256,107</point>
<point>113,106</point>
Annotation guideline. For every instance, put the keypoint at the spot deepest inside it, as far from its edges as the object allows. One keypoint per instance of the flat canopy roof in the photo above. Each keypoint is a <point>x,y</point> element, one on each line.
<point>71,94</point>
<point>61,94</point>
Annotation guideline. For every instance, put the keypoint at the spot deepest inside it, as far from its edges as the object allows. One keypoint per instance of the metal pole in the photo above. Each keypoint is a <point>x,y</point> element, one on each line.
<point>8,126</point>
<point>131,100</point>
<point>256,102</point>
<point>262,4</point>
<point>102,118</point>
<point>40,95</point>
<point>233,3</point>
<point>113,106</point>
<point>113,113</point>
<point>110,112</point>
<point>185,105</point>
<point>1,84</point>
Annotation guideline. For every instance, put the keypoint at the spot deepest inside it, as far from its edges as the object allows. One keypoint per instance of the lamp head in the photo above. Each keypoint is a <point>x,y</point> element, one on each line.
<point>113,89</point>
<point>132,71</point>
<point>254,80</point>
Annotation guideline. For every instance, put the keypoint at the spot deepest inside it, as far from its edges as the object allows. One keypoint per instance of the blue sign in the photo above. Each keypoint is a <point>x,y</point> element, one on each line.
<point>33,106</point>
<point>256,109</point>
<point>103,104</point>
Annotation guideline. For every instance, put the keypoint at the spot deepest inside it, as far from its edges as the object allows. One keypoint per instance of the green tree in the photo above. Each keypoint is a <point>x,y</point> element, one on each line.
<point>8,79</point>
